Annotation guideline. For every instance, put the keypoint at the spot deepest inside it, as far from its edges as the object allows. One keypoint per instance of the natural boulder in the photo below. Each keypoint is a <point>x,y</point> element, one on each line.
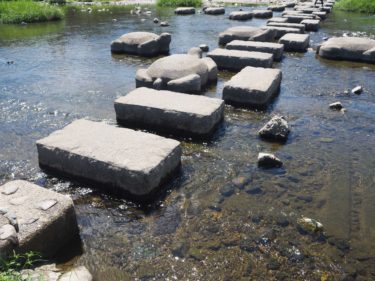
<point>142,43</point>
<point>268,160</point>
<point>246,33</point>
<point>275,129</point>
<point>348,48</point>
<point>182,73</point>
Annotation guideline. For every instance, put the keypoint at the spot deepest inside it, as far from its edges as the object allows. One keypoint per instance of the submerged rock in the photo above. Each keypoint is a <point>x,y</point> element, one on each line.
<point>268,160</point>
<point>309,225</point>
<point>275,129</point>
<point>357,90</point>
<point>336,105</point>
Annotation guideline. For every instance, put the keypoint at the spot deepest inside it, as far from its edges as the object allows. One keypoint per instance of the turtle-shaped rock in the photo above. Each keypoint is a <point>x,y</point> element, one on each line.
<point>180,73</point>
<point>142,44</point>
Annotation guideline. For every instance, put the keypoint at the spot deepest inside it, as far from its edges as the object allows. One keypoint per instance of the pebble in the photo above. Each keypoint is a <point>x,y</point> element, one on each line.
<point>156,20</point>
<point>164,23</point>
<point>282,221</point>
<point>357,90</point>
<point>309,225</point>
<point>227,190</point>
<point>336,105</point>
<point>273,265</point>
<point>275,129</point>
<point>305,198</point>
<point>254,190</point>
<point>268,160</point>
<point>204,47</point>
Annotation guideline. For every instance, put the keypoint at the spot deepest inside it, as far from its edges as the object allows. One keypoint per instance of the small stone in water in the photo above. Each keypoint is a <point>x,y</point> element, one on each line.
<point>156,20</point>
<point>309,225</point>
<point>336,105</point>
<point>357,90</point>
<point>227,190</point>
<point>275,129</point>
<point>282,221</point>
<point>254,190</point>
<point>164,23</point>
<point>204,47</point>
<point>273,265</point>
<point>268,160</point>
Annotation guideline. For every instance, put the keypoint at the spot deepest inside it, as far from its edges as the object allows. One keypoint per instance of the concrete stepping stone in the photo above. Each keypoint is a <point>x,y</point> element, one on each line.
<point>252,86</point>
<point>246,33</point>
<point>170,112</point>
<point>142,44</point>
<point>253,46</point>
<point>214,11</point>
<point>322,15</point>
<point>311,25</point>
<point>184,11</point>
<point>123,160</point>
<point>44,230</point>
<point>276,8</point>
<point>262,14</point>
<point>241,15</point>
<point>277,19</point>
<point>280,31</point>
<point>237,60</point>
<point>299,26</point>
<point>348,48</point>
<point>297,18</point>
<point>295,42</point>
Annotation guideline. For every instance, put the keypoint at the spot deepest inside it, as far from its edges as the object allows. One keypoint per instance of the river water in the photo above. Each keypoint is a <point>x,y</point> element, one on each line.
<point>64,70</point>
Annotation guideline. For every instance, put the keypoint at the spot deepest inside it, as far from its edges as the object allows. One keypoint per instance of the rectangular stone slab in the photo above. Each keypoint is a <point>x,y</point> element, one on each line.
<point>253,46</point>
<point>46,219</point>
<point>170,112</point>
<point>301,27</point>
<point>297,18</point>
<point>311,25</point>
<point>237,60</point>
<point>124,160</point>
<point>252,86</point>
<point>295,42</point>
<point>280,31</point>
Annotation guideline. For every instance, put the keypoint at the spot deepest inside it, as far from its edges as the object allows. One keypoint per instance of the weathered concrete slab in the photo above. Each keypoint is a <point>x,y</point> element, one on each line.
<point>253,46</point>
<point>295,42</point>
<point>246,33</point>
<point>277,19</point>
<point>276,8</point>
<point>348,48</point>
<point>262,14</point>
<point>241,15</point>
<point>184,11</point>
<point>142,44</point>
<point>322,15</point>
<point>45,220</point>
<point>297,18</point>
<point>299,26</point>
<point>170,112</point>
<point>123,160</point>
<point>214,11</point>
<point>280,31</point>
<point>237,60</point>
<point>311,25</point>
<point>253,86</point>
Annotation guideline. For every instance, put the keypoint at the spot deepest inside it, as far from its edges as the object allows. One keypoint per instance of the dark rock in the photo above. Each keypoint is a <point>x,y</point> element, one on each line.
<point>273,265</point>
<point>305,198</point>
<point>227,190</point>
<point>267,160</point>
<point>168,222</point>
<point>282,221</point>
<point>357,90</point>
<point>164,23</point>
<point>204,47</point>
<point>254,190</point>
<point>180,249</point>
<point>275,129</point>
<point>336,106</point>
<point>248,245</point>
<point>256,219</point>
<point>156,20</point>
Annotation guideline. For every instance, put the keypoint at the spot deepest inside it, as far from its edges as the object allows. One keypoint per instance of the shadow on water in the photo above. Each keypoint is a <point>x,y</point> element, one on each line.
<point>223,218</point>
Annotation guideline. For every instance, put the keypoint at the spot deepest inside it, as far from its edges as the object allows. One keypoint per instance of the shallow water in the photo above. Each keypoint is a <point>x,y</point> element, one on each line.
<point>64,70</point>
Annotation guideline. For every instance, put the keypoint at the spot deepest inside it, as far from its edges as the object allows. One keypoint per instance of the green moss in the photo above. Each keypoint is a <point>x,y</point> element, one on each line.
<point>363,6</point>
<point>179,3</point>
<point>28,11</point>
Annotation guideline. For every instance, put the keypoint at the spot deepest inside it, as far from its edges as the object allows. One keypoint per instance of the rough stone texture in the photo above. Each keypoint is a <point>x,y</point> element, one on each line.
<point>185,11</point>
<point>50,272</point>
<point>268,160</point>
<point>277,19</point>
<point>195,51</point>
<point>289,4</point>
<point>276,8</point>
<point>297,18</point>
<point>241,15</point>
<point>252,87</point>
<point>142,43</point>
<point>44,230</point>
<point>179,68</point>
<point>295,42</point>
<point>246,33</point>
<point>76,274</point>
<point>348,48</point>
<point>262,14</point>
<point>214,11</point>
<point>322,15</point>
<point>253,46</point>
<point>311,25</point>
<point>281,31</point>
<point>275,129</point>
<point>125,160</point>
<point>299,26</point>
<point>237,60</point>
<point>170,112</point>
<point>212,69</point>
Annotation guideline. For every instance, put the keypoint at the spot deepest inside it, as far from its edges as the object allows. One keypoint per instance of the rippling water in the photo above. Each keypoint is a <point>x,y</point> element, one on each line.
<point>64,70</point>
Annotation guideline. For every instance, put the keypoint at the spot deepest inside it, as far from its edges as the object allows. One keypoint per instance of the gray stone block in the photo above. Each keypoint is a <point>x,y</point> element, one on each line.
<point>295,42</point>
<point>253,86</point>
<point>241,15</point>
<point>170,112</point>
<point>214,11</point>
<point>280,31</point>
<point>276,8</point>
<point>46,219</point>
<point>124,160</point>
<point>299,26</point>
<point>253,46</point>
<point>184,11</point>
<point>277,19</point>
<point>262,14</point>
<point>246,33</point>
<point>237,60</point>
<point>311,25</point>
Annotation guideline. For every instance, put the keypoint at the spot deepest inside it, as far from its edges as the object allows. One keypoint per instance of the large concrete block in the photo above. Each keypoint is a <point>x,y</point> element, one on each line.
<point>237,60</point>
<point>253,46</point>
<point>241,15</point>
<point>311,25</point>
<point>299,26</point>
<point>45,219</point>
<point>280,31</point>
<point>295,42</point>
<point>214,11</point>
<point>297,18</point>
<point>184,11</point>
<point>246,33</point>
<point>170,112</point>
<point>262,14</point>
<point>253,86</point>
<point>124,160</point>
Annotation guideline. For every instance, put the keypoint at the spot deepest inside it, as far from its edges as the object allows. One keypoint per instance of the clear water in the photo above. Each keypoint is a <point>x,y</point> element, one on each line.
<point>64,70</point>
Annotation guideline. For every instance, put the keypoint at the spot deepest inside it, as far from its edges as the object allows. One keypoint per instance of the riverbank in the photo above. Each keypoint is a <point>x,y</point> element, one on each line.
<point>27,11</point>
<point>363,6</point>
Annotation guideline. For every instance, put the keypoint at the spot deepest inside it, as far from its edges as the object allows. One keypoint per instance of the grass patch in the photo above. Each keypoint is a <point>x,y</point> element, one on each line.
<point>28,11</point>
<point>10,268</point>
<point>179,3</point>
<point>363,6</point>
